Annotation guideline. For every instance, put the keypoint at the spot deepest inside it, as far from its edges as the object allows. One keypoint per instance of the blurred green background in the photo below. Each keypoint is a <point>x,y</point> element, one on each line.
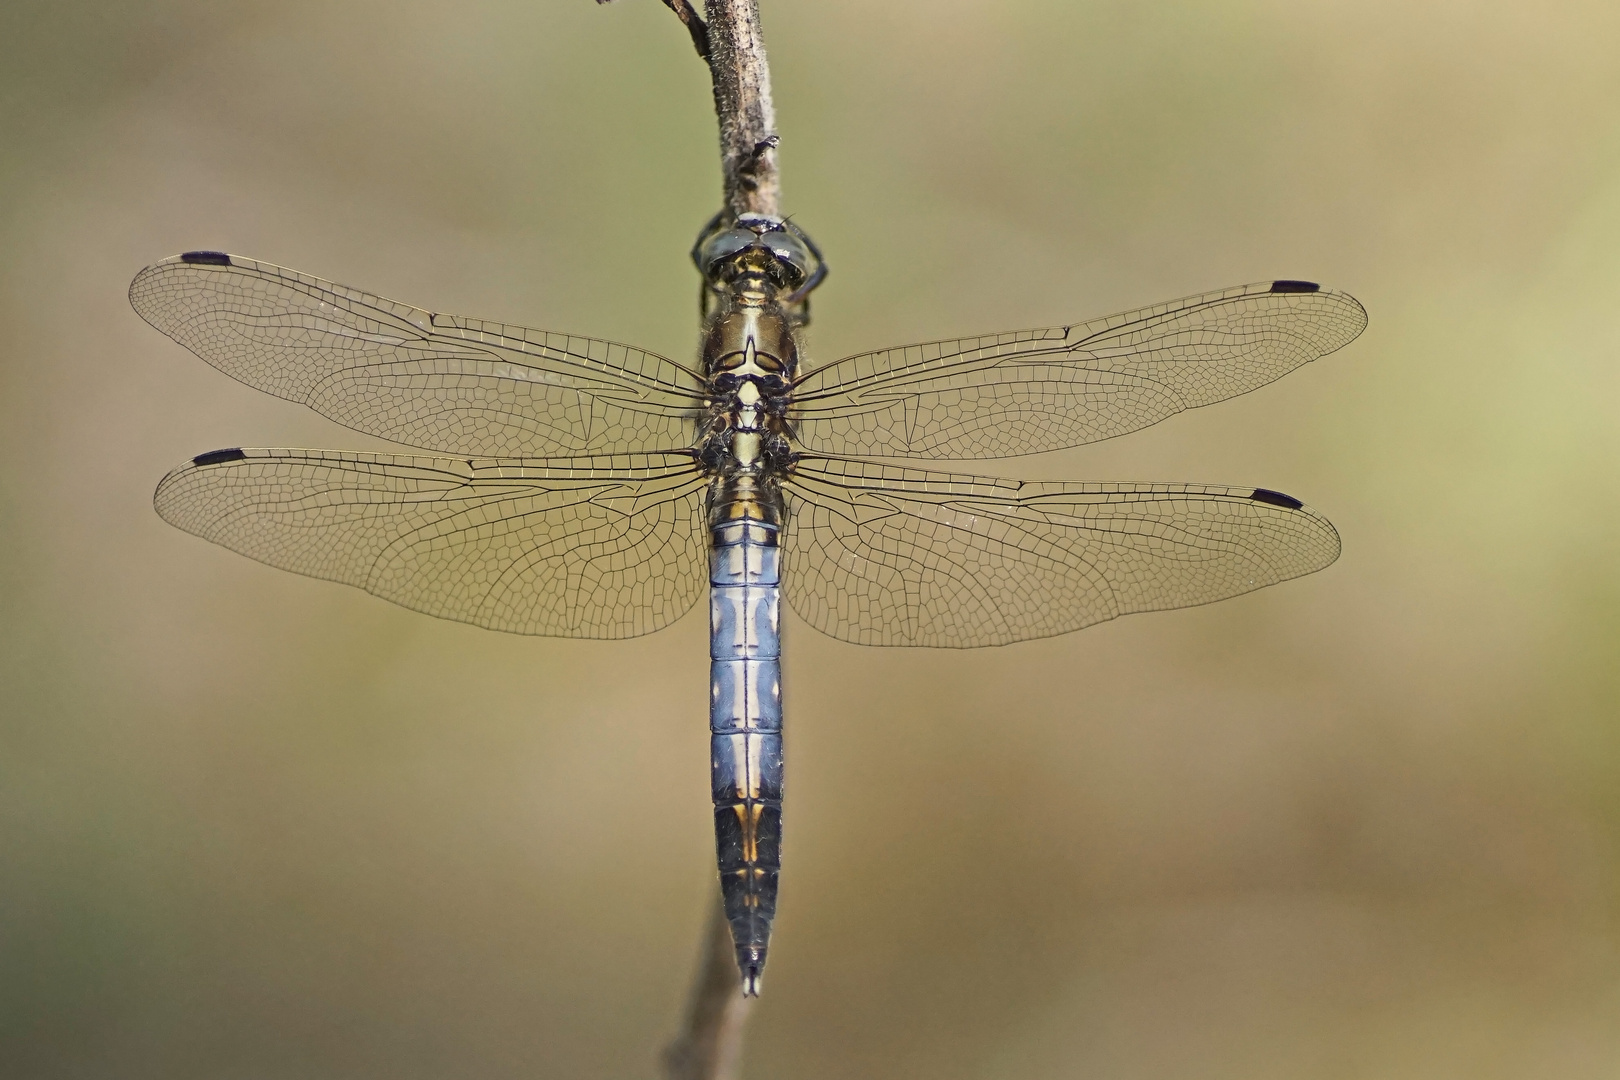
<point>1366,824</point>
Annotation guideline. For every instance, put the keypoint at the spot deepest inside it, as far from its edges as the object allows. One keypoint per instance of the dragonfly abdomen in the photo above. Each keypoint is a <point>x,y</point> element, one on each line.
<point>745,725</point>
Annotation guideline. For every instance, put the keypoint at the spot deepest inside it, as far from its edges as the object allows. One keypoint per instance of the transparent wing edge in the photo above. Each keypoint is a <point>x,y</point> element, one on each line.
<point>883,572</point>
<point>1025,375</point>
<point>682,382</point>
<point>357,519</point>
<point>398,349</point>
<point>813,386</point>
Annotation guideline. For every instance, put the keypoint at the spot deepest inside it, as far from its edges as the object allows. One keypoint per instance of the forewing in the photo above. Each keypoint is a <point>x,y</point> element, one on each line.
<point>593,548</point>
<point>877,555</point>
<point>1029,391</point>
<point>440,382</point>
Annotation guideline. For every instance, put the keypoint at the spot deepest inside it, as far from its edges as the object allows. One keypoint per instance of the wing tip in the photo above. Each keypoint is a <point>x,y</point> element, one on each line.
<point>141,289</point>
<point>1275,498</point>
<point>1357,315</point>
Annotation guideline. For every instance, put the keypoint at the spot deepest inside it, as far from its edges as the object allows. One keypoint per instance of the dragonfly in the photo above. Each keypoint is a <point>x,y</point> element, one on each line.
<point>581,488</point>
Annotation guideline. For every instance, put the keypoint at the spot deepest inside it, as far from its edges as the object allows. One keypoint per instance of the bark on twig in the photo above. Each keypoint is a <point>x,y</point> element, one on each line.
<point>733,45</point>
<point>694,25</point>
<point>689,18</point>
<point>742,101</point>
<point>710,1045</point>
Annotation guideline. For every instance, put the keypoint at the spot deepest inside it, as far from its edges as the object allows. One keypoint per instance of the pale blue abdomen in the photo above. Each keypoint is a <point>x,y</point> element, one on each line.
<point>745,724</point>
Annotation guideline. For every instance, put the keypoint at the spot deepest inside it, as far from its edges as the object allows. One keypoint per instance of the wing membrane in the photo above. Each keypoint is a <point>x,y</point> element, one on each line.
<point>880,555</point>
<point>590,548</point>
<point>1030,391</point>
<point>440,382</point>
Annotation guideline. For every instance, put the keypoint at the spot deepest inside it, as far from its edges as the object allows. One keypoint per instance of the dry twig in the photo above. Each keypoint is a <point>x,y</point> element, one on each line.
<point>734,47</point>
<point>710,1045</point>
<point>694,25</point>
<point>742,101</point>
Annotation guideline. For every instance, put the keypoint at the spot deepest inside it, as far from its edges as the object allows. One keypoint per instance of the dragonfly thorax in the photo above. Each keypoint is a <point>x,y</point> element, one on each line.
<point>751,340</point>
<point>750,358</point>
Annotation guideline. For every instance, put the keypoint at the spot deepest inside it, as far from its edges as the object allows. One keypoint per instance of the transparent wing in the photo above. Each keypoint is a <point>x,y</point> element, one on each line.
<point>594,548</point>
<point>880,555</point>
<point>440,382</point>
<point>1030,391</point>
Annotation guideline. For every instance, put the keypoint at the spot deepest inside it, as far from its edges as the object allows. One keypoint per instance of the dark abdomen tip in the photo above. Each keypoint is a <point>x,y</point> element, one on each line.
<point>218,457</point>
<point>751,965</point>
<point>1276,498</point>
<point>206,258</point>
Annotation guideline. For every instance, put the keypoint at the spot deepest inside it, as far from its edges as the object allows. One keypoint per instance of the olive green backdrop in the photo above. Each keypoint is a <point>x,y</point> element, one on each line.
<point>1365,824</point>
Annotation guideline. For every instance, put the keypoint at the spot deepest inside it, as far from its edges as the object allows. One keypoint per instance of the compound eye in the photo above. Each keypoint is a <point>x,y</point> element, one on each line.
<point>789,252</point>
<point>786,247</point>
<point>726,245</point>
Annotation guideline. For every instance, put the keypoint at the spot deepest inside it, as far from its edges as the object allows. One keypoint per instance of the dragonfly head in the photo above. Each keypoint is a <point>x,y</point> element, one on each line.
<point>755,244</point>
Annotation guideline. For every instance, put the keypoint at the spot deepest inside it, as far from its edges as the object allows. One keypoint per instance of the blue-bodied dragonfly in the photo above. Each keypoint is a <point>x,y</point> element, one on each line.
<point>581,487</point>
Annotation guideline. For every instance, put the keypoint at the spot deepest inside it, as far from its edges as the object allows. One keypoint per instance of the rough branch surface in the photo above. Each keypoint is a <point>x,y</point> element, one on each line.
<point>742,101</point>
<point>709,1046</point>
<point>734,47</point>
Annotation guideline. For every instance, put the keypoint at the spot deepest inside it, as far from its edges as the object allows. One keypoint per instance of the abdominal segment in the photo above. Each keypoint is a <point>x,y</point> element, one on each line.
<point>745,725</point>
